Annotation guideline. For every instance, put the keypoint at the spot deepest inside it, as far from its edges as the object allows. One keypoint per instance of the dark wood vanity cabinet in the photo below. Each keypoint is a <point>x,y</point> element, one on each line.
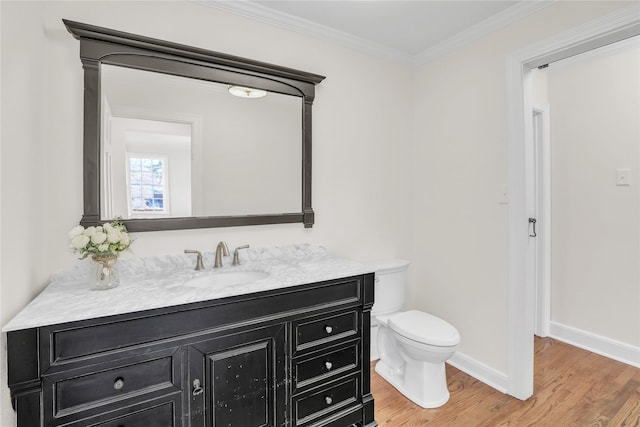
<point>296,356</point>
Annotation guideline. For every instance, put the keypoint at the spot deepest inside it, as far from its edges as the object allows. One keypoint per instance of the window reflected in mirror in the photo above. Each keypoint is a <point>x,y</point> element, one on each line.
<point>147,187</point>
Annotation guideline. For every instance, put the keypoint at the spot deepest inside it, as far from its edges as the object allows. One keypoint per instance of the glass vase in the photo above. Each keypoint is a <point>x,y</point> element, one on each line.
<point>104,272</point>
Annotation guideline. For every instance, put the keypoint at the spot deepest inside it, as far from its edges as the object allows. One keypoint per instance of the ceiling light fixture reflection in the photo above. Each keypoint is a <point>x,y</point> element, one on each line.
<point>247,92</point>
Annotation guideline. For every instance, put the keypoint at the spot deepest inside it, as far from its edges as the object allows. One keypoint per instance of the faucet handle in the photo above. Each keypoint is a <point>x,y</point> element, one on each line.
<point>236,260</point>
<point>199,265</point>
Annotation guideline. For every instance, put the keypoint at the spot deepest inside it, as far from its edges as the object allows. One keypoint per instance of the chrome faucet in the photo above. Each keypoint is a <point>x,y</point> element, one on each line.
<point>221,250</point>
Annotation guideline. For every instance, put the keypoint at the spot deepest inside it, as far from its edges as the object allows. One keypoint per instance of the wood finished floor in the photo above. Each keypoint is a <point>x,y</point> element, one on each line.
<point>573,387</point>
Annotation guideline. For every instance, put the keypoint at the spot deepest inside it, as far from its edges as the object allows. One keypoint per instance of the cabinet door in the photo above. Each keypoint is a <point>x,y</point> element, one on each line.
<point>238,380</point>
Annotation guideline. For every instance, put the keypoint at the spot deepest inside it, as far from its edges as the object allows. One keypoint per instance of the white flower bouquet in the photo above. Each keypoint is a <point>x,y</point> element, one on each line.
<point>102,241</point>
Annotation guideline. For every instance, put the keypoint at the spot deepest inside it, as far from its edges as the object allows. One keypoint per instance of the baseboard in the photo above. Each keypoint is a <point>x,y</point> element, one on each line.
<point>479,371</point>
<point>603,346</point>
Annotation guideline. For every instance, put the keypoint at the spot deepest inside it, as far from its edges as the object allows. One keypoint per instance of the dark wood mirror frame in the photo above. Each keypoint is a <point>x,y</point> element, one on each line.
<point>105,46</point>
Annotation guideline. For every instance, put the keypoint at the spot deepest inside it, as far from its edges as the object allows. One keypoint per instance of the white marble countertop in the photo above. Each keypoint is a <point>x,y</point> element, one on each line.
<point>156,282</point>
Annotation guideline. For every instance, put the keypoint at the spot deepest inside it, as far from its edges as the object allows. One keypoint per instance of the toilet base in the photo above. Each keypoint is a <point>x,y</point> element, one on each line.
<point>432,379</point>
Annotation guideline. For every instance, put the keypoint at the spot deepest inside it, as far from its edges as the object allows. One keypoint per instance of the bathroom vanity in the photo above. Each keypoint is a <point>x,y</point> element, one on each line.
<point>282,340</point>
<point>288,350</point>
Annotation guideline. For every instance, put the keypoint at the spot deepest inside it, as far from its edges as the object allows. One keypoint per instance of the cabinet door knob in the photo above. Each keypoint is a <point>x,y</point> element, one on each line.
<point>118,384</point>
<point>328,365</point>
<point>197,389</point>
<point>328,329</point>
<point>328,400</point>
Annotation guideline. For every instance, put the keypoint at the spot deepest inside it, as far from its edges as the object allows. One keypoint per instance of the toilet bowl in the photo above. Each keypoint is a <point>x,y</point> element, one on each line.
<point>413,346</point>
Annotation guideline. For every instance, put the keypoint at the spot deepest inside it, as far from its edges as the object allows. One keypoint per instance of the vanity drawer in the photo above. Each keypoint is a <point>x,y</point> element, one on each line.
<point>158,416</point>
<point>325,329</point>
<point>325,401</point>
<point>106,386</point>
<point>326,365</point>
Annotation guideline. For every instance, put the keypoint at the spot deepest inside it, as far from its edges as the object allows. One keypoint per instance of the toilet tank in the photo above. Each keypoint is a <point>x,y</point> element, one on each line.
<point>390,285</point>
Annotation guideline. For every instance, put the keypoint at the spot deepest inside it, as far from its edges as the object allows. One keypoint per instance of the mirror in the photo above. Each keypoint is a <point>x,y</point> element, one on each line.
<point>178,147</point>
<point>168,146</point>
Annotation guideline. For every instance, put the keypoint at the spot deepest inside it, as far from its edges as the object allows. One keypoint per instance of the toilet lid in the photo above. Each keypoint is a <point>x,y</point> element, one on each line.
<point>424,328</point>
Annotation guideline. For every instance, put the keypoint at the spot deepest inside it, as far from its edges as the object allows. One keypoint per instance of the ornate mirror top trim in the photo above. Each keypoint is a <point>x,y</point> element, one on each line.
<point>81,31</point>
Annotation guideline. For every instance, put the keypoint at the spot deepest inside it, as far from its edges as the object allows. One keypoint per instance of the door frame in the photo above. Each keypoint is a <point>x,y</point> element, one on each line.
<point>608,29</point>
<point>542,212</point>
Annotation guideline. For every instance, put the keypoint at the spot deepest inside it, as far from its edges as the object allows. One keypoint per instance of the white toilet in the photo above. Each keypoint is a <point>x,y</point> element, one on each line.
<point>412,345</point>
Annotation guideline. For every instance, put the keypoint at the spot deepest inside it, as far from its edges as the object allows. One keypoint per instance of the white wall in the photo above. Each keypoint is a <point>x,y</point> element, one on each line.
<point>23,222</point>
<point>459,258</point>
<point>595,129</point>
<point>361,139</point>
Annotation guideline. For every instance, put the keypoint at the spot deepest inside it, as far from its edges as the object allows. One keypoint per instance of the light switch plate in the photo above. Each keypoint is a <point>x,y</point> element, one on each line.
<point>623,177</point>
<point>503,195</point>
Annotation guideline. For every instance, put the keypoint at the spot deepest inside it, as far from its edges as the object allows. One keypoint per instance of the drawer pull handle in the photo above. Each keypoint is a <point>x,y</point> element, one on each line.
<point>328,400</point>
<point>118,384</point>
<point>328,365</point>
<point>197,389</point>
<point>328,329</point>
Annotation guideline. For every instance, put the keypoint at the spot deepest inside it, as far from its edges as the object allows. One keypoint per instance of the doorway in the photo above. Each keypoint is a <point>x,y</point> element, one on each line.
<point>522,253</point>
<point>595,126</point>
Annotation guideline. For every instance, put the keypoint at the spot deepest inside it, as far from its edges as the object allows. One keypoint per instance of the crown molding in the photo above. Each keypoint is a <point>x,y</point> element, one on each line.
<point>255,11</point>
<point>285,21</point>
<point>494,23</point>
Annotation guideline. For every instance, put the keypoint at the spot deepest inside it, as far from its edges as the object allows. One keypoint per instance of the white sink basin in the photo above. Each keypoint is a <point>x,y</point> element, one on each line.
<point>228,278</point>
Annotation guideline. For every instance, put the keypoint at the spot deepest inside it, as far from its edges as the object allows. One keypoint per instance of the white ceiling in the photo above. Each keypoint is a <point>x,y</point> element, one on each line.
<point>408,31</point>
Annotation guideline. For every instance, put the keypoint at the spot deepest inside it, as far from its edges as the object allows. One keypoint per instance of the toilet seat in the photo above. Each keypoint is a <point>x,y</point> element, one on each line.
<point>424,328</point>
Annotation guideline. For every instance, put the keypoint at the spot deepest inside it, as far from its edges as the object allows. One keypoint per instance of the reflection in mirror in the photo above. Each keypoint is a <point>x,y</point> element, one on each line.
<point>146,168</point>
<point>176,147</point>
